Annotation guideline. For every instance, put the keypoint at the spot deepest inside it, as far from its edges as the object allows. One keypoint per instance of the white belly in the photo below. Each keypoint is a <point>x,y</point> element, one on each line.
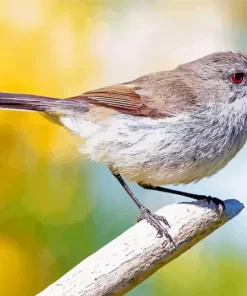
<point>158,152</point>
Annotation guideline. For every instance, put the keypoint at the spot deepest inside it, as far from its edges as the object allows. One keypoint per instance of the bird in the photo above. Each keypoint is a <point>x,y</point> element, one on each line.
<point>169,127</point>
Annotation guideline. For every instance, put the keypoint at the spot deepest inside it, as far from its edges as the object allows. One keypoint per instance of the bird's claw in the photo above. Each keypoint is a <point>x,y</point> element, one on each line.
<point>154,220</point>
<point>220,205</point>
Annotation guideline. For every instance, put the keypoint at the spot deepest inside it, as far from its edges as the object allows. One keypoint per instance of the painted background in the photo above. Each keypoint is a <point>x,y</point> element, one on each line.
<point>55,207</point>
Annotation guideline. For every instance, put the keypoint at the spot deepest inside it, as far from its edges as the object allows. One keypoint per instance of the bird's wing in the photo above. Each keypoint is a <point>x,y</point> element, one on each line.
<point>159,95</point>
<point>124,98</point>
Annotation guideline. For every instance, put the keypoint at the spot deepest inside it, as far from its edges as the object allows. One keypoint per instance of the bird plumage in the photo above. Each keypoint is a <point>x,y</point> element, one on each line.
<point>167,127</point>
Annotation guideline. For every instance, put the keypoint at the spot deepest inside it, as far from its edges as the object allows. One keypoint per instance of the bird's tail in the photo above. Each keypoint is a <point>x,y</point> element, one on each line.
<point>50,108</point>
<point>14,101</point>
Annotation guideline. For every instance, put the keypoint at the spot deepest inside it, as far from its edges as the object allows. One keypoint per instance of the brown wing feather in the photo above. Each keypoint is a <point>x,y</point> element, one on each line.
<point>158,95</point>
<point>122,98</point>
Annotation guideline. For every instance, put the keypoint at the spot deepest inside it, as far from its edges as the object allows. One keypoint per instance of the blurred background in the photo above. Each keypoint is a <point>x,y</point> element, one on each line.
<point>56,208</point>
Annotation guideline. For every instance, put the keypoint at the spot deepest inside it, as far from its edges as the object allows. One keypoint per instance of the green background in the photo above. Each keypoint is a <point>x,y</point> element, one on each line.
<point>56,207</point>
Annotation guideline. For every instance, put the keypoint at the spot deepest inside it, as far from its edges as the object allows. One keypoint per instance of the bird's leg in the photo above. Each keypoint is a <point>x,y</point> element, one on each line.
<point>153,219</point>
<point>220,206</point>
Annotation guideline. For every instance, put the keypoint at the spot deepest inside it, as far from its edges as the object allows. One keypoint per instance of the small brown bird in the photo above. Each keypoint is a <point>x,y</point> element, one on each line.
<point>169,127</point>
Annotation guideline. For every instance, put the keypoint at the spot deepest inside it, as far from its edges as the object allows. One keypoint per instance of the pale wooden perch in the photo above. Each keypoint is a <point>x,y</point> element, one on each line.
<point>136,254</point>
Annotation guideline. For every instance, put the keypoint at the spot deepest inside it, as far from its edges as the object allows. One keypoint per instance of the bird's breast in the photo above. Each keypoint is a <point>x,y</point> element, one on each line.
<point>176,150</point>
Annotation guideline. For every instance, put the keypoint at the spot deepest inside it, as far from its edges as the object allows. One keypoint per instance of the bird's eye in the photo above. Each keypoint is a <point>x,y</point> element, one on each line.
<point>237,78</point>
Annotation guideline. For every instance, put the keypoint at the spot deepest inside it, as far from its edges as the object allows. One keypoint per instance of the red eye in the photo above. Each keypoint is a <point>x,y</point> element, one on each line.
<point>238,78</point>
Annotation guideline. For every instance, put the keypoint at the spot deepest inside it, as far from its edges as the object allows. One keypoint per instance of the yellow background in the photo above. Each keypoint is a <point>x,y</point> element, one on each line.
<point>55,207</point>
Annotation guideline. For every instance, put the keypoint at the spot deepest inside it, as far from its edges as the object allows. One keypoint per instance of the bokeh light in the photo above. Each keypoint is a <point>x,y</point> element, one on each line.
<point>56,208</point>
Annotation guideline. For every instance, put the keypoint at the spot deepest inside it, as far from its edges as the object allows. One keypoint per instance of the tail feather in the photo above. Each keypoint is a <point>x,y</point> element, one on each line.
<point>15,101</point>
<point>26,102</point>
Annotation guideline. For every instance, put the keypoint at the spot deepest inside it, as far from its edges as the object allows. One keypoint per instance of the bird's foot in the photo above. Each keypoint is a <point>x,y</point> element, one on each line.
<point>220,205</point>
<point>155,221</point>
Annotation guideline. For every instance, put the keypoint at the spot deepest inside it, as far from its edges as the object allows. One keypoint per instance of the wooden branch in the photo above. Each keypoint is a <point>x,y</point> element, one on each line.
<point>136,254</point>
